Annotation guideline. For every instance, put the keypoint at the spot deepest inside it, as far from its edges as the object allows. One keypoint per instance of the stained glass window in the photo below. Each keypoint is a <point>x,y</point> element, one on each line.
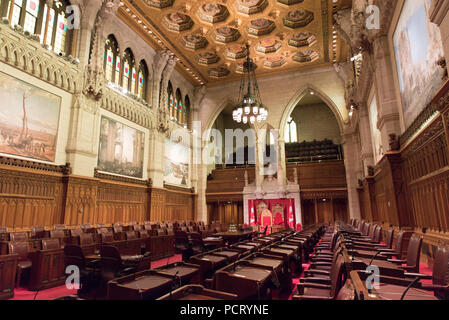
<point>32,9</point>
<point>125,79</point>
<point>133,79</point>
<point>17,9</point>
<point>112,60</point>
<point>140,84</point>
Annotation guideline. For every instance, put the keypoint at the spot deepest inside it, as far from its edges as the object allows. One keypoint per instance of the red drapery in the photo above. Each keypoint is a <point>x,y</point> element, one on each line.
<point>288,219</point>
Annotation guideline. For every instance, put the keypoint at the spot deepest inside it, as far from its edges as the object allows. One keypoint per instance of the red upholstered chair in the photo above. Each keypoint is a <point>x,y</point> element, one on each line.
<point>21,248</point>
<point>18,236</point>
<point>86,239</point>
<point>322,289</point>
<point>413,255</point>
<point>107,237</point>
<point>50,244</point>
<point>37,232</point>
<point>130,235</point>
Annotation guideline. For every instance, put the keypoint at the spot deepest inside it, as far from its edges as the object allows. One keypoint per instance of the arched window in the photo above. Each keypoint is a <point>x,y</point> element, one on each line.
<point>142,81</point>
<point>170,99</point>
<point>186,112</point>
<point>178,105</point>
<point>111,60</point>
<point>291,134</point>
<point>129,71</point>
<point>37,18</point>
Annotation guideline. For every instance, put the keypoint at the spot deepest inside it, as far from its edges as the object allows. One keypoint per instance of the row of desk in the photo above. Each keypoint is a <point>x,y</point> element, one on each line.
<point>244,270</point>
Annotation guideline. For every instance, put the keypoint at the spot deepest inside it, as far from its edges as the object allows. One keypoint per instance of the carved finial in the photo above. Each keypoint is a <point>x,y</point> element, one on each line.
<point>394,142</point>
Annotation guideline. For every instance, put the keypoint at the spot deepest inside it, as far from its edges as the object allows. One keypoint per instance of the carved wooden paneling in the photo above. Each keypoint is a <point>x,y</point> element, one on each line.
<point>28,198</point>
<point>118,202</point>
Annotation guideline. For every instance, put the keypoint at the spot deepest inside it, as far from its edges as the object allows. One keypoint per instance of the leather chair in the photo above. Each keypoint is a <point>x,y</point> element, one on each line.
<point>107,237</point>
<point>413,255</point>
<point>50,244</point>
<point>86,239</point>
<point>89,271</point>
<point>58,234</point>
<point>313,288</point>
<point>183,245</point>
<point>18,236</point>
<point>59,227</point>
<point>112,264</point>
<point>38,232</point>
<point>21,248</point>
<point>130,235</point>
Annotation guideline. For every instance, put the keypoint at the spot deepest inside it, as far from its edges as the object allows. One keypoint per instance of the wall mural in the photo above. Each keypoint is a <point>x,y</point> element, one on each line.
<point>177,159</point>
<point>29,119</point>
<point>418,47</point>
<point>121,149</point>
<point>375,133</point>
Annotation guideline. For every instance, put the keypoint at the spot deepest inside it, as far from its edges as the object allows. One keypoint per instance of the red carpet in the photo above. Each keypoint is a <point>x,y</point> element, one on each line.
<point>61,291</point>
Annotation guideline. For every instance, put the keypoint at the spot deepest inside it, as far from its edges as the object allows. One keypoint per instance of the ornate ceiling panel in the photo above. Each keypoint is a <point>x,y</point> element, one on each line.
<point>209,36</point>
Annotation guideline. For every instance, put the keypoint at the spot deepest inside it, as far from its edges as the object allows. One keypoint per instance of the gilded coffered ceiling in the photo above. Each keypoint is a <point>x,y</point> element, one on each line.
<point>209,36</point>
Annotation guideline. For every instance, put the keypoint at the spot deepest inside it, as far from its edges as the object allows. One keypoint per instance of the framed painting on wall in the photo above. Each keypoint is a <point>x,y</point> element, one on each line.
<point>418,47</point>
<point>121,149</point>
<point>177,162</point>
<point>29,120</point>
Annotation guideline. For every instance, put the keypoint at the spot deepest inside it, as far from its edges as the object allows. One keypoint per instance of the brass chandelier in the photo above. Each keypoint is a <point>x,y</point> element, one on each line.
<point>250,107</point>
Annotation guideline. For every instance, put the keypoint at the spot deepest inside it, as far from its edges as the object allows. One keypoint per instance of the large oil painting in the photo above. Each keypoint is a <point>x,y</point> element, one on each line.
<point>177,159</point>
<point>375,133</point>
<point>29,118</point>
<point>418,47</point>
<point>121,149</point>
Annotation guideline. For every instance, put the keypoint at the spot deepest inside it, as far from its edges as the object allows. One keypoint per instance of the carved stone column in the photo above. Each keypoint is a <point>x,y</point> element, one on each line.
<point>388,104</point>
<point>439,14</point>
<point>351,175</point>
<point>366,139</point>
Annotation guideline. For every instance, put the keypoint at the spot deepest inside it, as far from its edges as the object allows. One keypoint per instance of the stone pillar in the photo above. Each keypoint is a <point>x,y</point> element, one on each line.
<point>439,14</point>
<point>351,160</point>
<point>366,153</point>
<point>82,144</point>
<point>156,160</point>
<point>388,104</point>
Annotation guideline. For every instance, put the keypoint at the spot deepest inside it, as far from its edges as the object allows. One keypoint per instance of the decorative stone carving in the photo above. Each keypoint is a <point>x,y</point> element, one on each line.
<point>236,51</point>
<point>250,6</point>
<point>305,56</point>
<point>394,142</point>
<point>177,21</point>
<point>298,18</point>
<point>442,64</point>
<point>94,80</point>
<point>218,72</point>
<point>194,41</point>
<point>302,39</point>
<point>207,58</point>
<point>159,3</point>
<point>260,27</point>
<point>213,12</point>
<point>226,34</point>
<point>268,45</point>
<point>274,61</point>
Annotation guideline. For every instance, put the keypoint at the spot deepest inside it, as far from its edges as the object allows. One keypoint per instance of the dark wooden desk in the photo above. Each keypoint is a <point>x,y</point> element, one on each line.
<point>145,285</point>
<point>245,280</point>
<point>230,254</point>
<point>197,292</point>
<point>209,262</point>
<point>47,270</point>
<point>186,273</point>
<point>233,237</point>
<point>8,268</point>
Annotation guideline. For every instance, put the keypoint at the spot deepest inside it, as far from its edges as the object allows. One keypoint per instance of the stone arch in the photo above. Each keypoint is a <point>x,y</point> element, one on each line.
<point>298,97</point>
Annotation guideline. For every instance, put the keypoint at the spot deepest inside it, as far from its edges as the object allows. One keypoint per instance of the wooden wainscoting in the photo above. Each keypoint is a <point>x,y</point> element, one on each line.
<point>39,194</point>
<point>410,187</point>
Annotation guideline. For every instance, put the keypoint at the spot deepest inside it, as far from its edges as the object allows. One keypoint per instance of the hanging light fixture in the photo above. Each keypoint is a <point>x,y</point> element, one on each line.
<point>249,107</point>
